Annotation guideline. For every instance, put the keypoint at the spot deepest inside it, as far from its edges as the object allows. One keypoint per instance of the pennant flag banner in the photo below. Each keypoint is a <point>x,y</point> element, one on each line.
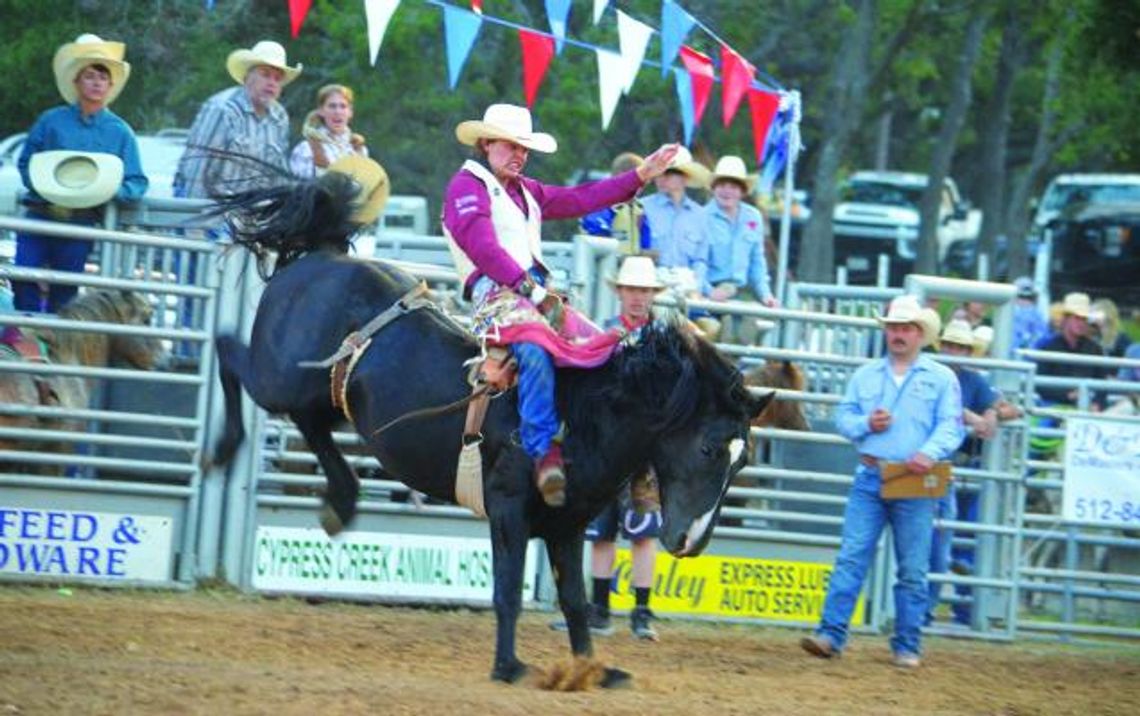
<point>599,8</point>
<point>537,51</point>
<point>700,70</point>
<point>763,106</point>
<point>736,77</point>
<point>477,6</point>
<point>685,99</point>
<point>298,9</point>
<point>460,28</point>
<point>610,68</point>
<point>633,38</point>
<point>377,14</point>
<point>209,4</point>
<point>556,13</point>
<point>777,154</point>
<point>675,25</point>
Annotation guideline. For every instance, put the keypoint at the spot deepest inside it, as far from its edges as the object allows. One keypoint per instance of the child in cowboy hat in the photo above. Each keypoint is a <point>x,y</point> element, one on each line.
<point>492,217</point>
<point>242,133</point>
<point>87,146</point>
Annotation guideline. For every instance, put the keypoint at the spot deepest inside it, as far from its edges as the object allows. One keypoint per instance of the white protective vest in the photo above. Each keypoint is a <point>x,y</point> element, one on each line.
<point>519,235</point>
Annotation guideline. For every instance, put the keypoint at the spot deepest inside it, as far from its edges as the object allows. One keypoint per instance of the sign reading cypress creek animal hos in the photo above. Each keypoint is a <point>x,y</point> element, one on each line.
<point>77,545</point>
<point>379,564</point>
<point>733,587</point>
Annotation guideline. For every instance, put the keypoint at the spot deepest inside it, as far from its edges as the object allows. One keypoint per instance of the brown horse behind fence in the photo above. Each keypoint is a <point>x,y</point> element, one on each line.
<point>77,348</point>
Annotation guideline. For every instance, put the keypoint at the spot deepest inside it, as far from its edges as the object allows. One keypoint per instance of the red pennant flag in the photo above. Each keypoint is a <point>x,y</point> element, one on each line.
<point>298,9</point>
<point>763,106</point>
<point>537,51</point>
<point>700,70</point>
<point>477,7</point>
<point>736,76</point>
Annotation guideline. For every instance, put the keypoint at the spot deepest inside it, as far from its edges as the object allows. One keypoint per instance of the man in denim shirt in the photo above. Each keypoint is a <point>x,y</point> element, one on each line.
<point>907,408</point>
<point>676,222</point>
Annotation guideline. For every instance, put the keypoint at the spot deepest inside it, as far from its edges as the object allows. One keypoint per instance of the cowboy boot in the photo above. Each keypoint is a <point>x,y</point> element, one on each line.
<point>550,476</point>
<point>644,494</point>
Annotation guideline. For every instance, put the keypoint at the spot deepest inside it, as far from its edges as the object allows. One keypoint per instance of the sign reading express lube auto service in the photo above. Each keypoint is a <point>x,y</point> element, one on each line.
<point>71,545</point>
<point>307,561</point>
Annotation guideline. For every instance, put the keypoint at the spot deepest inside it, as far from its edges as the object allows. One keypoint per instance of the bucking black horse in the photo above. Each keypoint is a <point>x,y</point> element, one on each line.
<point>669,401</point>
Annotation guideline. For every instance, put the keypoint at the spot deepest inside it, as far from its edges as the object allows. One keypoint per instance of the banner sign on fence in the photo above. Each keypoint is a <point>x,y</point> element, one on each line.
<point>76,545</point>
<point>734,587</point>
<point>379,564</point>
<point>1102,472</point>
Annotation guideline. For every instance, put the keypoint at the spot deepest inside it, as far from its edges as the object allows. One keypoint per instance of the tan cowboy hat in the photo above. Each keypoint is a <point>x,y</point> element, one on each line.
<point>374,185</point>
<point>76,180</point>
<point>509,122</point>
<point>959,333</point>
<point>88,49</point>
<point>731,168</point>
<point>1076,304</point>
<point>637,272</point>
<point>906,309</point>
<point>983,337</point>
<point>696,174</point>
<point>266,52</point>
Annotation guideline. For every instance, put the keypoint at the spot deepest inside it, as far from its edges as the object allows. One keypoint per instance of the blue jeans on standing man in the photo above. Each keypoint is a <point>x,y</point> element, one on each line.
<point>863,521</point>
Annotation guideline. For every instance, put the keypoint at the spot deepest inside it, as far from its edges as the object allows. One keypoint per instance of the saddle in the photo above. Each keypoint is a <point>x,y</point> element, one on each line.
<point>21,345</point>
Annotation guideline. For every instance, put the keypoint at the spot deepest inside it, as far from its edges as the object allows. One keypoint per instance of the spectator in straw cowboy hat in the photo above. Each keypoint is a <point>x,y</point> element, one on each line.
<point>492,217</point>
<point>1072,337</point>
<point>240,138</point>
<point>76,158</point>
<point>903,408</point>
<point>677,223</point>
<point>737,267</point>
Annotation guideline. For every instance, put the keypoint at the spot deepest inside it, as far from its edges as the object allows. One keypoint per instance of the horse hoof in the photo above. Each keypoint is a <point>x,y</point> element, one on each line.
<point>509,673</point>
<point>330,522</point>
<point>616,679</point>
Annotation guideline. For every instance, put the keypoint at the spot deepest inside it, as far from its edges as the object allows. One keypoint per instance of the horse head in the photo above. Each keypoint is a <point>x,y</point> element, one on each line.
<point>701,429</point>
<point>785,414</point>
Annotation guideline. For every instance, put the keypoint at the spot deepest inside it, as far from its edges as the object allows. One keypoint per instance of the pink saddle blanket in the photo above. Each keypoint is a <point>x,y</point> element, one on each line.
<point>507,318</point>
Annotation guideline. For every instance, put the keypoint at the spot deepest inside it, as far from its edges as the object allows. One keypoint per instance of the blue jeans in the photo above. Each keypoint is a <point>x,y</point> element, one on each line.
<point>863,522</point>
<point>968,512</point>
<point>51,252</point>
<point>537,412</point>
<point>940,542</point>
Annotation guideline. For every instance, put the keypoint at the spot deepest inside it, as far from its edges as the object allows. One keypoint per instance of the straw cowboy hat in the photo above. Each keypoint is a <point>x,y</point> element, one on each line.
<point>374,186</point>
<point>959,333</point>
<point>509,122</point>
<point>1076,304</point>
<point>731,168</point>
<point>983,337</point>
<point>906,309</point>
<point>637,272</point>
<point>76,180</point>
<point>88,49</point>
<point>696,174</point>
<point>266,52</point>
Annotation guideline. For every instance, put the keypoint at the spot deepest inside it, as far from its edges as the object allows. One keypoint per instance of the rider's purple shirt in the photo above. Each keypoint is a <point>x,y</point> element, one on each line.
<point>467,215</point>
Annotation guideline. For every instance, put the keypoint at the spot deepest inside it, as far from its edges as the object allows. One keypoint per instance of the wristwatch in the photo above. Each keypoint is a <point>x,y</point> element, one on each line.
<point>532,290</point>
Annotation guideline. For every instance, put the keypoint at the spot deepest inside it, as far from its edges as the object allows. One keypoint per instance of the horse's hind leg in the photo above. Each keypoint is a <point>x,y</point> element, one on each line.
<point>233,369</point>
<point>344,488</point>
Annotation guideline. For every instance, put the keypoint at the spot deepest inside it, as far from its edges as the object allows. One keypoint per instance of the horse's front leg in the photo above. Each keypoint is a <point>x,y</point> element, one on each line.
<point>509,533</point>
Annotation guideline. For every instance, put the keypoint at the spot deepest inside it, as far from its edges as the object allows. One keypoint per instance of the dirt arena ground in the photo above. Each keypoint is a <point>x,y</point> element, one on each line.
<point>84,651</point>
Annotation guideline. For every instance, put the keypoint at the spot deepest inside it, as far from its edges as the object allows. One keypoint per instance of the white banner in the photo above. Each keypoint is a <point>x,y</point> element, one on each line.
<point>610,68</point>
<point>307,561</point>
<point>78,545</point>
<point>633,38</point>
<point>1102,472</point>
<point>377,15</point>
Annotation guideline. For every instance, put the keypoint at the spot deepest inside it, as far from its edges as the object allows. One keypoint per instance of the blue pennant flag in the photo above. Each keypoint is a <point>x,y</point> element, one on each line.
<point>685,98</point>
<point>209,4</point>
<point>775,151</point>
<point>460,28</point>
<point>557,11</point>
<point>675,24</point>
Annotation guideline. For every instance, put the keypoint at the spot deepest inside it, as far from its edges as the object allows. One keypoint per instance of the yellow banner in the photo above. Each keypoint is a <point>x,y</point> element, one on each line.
<point>736,587</point>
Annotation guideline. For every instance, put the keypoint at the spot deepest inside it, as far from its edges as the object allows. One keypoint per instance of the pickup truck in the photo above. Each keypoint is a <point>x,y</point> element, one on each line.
<point>878,214</point>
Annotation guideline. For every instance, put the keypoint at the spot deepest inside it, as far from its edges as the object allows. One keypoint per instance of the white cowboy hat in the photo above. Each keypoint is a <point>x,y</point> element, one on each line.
<point>906,309</point>
<point>637,272</point>
<point>959,333</point>
<point>509,122</point>
<point>374,186</point>
<point>266,52</point>
<point>76,180</point>
<point>731,168</point>
<point>1076,304</point>
<point>696,174</point>
<point>983,337</point>
<point>88,49</point>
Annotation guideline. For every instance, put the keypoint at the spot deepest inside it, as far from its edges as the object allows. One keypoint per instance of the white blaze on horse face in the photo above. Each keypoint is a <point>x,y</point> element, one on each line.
<point>697,531</point>
<point>735,448</point>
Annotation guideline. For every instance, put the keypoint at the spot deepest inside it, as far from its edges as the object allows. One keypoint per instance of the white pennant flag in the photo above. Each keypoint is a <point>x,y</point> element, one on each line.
<point>633,37</point>
<point>599,8</point>
<point>377,13</point>
<point>610,65</point>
